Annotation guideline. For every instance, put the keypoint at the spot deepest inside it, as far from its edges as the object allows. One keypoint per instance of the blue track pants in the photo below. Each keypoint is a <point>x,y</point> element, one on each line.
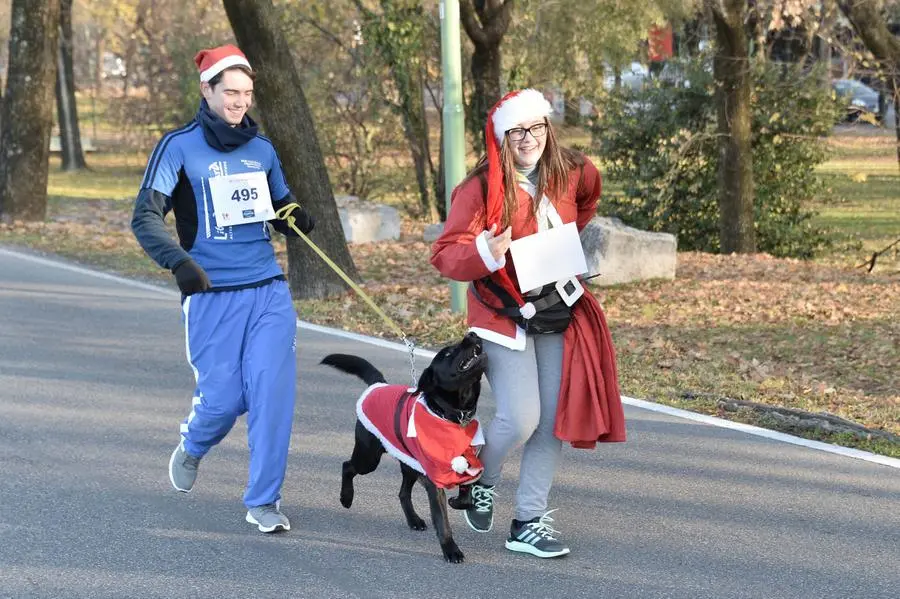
<point>241,345</point>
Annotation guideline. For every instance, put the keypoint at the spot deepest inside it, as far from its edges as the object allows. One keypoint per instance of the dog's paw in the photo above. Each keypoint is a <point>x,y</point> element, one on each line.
<point>452,552</point>
<point>461,503</point>
<point>347,497</point>
<point>417,523</point>
<point>463,499</point>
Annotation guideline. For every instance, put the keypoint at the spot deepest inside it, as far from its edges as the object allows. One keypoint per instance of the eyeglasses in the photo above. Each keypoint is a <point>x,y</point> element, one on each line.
<point>519,133</point>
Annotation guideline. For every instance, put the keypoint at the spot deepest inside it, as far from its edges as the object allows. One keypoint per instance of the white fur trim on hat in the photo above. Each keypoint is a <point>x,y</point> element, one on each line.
<point>527,105</point>
<point>233,60</point>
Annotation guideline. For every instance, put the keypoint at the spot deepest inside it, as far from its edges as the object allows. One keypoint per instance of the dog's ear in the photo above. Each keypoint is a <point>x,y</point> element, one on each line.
<point>426,381</point>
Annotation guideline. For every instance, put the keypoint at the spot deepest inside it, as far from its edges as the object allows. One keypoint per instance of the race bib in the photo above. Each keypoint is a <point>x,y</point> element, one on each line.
<point>241,199</point>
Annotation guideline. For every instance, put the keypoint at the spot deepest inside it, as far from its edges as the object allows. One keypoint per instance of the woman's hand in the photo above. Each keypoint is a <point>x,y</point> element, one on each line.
<point>500,243</point>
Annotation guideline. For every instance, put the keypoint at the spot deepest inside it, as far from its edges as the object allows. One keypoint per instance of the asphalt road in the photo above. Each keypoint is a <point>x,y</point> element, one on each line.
<point>94,383</point>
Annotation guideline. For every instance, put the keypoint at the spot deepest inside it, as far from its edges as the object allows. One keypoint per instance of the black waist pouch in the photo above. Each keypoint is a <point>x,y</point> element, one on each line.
<point>552,314</point>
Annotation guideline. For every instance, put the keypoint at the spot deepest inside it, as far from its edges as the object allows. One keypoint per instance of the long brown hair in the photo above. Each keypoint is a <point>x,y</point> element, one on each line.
<point>553,174</point>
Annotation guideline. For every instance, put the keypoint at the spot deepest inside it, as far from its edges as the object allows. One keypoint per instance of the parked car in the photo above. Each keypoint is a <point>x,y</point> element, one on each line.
<point>113,66</point>
<point>860,98</point>
<point>678,73</point>
<point>632,77</point>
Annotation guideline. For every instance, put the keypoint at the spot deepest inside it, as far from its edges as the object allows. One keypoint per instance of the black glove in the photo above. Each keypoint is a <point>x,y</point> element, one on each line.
<point>305,221</point>
<point>191,278</point>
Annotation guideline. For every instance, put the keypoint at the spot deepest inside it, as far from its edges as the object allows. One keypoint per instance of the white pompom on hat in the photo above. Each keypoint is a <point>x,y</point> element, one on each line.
<point>213,61</point>
<point>459,464</point>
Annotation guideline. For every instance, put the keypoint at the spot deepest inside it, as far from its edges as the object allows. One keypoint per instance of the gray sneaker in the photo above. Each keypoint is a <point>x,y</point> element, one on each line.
<point>183,469</point>
<point>268,518</point>
<point>480,517</point>
<point>536,537</point>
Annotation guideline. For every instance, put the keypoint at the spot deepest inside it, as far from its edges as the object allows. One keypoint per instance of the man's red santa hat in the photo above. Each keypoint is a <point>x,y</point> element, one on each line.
<point>213,61</point>
<point>514,108</point>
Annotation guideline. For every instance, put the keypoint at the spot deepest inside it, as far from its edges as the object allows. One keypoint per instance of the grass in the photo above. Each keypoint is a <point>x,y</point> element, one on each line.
<point>111,176</point>
<point>865,214</point>
<point>819,336</point>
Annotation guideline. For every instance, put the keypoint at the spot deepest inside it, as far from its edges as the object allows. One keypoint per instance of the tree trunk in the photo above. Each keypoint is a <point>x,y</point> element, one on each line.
<point>67,111</point>
<point>437,170</point>
<point>485,22</point>
<point>732,74</point>
<point>409,82</point>
<point>486,78</point>
<point>870,26</point>
<point>27,110</point>
<point>897,118</point>
<point>289,124</point>
<point>440,181</point>
<point>99,47</point>
<point>430,208</point>
<point>416,128</point>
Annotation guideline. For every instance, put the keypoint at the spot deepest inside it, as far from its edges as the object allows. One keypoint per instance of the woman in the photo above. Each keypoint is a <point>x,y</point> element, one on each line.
<point>527,185</point>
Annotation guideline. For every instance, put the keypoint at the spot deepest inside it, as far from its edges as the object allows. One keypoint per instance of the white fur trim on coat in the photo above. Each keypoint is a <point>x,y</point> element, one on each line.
<point>516,343</point>
<point>487,257</point>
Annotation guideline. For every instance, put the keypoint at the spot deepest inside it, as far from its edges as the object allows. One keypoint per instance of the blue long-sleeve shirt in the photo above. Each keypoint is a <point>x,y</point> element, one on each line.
<point>177,179</point>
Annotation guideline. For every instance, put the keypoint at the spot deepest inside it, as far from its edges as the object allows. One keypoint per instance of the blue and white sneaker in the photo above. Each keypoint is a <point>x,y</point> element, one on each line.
<point>536,537</point>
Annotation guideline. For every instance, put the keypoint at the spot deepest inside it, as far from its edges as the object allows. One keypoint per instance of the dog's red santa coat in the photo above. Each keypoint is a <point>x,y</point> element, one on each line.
<point>442,450</point>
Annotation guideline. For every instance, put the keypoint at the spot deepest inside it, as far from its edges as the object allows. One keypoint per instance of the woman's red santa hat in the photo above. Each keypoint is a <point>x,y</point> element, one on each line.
<point>213,61</point>
<point>514,108</point>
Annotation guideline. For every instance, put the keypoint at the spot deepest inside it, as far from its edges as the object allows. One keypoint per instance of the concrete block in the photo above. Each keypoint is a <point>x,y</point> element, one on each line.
<point>365,222</point>
<point>432,232</point>
<point>624,254</point>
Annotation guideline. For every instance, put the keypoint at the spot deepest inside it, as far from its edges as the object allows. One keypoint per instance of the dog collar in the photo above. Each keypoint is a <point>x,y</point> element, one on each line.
<point>466,416</point>
<point>449,413</point>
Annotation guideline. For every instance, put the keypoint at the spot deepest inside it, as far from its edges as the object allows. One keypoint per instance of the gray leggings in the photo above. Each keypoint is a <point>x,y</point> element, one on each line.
<point>526,387</point>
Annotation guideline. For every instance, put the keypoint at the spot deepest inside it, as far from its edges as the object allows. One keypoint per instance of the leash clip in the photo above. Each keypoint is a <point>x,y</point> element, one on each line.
<point>412,361</point>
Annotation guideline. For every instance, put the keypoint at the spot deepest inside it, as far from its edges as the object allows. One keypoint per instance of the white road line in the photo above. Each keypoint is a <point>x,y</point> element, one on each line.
<point>423,353</point>
<point>655,407</point>
<point>5,251</point>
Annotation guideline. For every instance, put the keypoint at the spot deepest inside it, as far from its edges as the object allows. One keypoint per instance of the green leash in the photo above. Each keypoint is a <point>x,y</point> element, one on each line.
<point>286,214</point>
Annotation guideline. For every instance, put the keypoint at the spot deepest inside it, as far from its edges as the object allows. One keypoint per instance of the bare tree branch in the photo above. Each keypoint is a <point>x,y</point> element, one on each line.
<point>470,23</point>
<point>870,263</point>
<point>497,20</point>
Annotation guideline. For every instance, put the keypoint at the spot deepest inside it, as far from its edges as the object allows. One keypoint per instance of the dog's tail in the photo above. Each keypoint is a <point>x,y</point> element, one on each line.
<point>355,365</point>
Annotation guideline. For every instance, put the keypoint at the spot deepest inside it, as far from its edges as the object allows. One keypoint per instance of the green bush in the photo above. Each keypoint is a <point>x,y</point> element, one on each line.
<point>660,144</point>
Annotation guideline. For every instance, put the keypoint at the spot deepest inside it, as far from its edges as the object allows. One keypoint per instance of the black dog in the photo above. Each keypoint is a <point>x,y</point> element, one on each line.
<point>449,387</point>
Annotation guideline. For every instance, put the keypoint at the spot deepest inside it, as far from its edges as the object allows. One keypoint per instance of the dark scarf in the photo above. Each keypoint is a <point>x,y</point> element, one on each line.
<point>219,134</point>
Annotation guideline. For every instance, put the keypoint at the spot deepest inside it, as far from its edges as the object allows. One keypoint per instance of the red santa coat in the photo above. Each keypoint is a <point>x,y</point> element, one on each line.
<point>429,443</point>
<point>590,406</point>
<point>459,253</point>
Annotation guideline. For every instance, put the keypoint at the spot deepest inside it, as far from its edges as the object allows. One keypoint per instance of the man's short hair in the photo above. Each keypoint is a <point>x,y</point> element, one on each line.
<point>217,78</point>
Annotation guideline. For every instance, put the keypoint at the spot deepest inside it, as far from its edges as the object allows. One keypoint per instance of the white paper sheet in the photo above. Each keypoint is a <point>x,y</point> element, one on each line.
<point>548,256</point>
